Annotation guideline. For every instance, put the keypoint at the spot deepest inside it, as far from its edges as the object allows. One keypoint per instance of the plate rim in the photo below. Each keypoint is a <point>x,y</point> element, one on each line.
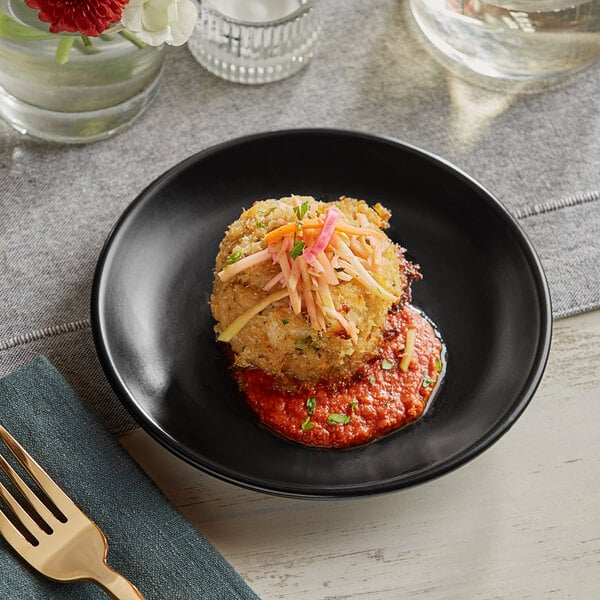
<point>512,413</point>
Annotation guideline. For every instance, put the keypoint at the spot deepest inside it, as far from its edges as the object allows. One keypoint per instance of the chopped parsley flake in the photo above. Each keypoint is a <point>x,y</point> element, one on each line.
<point>307,425</point>
<point>353,405</point>
<point>387,364</point>
<point>311,404</point>
<point>372,379</point>
<point>301,210</point>
<point>259,224</point>
<point>427,381</point>
<point>438,365</point>
<point>337,419</point>
<point>296,251</point>
<point>284,321</point>
<point>233,257</point>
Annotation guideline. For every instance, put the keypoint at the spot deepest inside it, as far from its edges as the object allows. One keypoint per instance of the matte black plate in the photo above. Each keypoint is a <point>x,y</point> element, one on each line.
<point>483,286</point>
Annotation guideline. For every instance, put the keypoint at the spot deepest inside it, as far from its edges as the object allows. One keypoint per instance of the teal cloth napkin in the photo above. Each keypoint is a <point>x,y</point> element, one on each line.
<point>149,542</point>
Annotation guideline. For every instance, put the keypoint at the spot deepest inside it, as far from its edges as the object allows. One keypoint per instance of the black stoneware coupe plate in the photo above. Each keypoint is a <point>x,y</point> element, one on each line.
<point>483,286</point>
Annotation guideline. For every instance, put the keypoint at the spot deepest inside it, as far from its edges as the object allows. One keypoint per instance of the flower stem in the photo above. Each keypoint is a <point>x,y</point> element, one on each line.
<point>62,50</point>
<point>130,37</point>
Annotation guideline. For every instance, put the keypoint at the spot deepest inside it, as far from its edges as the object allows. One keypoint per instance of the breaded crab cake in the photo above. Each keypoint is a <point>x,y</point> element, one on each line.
<point>302,288</point>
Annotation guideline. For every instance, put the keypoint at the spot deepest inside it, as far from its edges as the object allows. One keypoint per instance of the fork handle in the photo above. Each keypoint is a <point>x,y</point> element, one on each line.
<point>115,585</point>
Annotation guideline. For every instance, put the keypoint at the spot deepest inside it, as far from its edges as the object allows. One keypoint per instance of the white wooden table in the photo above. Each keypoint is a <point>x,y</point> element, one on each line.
<point>522,521</point>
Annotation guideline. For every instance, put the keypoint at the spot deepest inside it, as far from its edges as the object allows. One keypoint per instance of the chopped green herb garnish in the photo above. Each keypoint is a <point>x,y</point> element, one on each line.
<point>427,381</point>
<point>259,224</point>
<point>438,365</point>
<point>233,257</point>
<point>311,404</point>
<point>299,226</point>
<point>337,419</point>
<point>301,210</point>
<point>372,379</point>
<point>307,425</point>
<point>387,364</point>
<point>284,321</point>
<point>296,251</point>
<point>353,405</point>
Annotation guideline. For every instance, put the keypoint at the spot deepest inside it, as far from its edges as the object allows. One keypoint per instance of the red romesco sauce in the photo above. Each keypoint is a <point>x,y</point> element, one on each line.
<point>379,398</point>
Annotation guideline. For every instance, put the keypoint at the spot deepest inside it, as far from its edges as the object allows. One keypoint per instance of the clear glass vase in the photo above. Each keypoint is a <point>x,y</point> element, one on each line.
<point>100,90</point>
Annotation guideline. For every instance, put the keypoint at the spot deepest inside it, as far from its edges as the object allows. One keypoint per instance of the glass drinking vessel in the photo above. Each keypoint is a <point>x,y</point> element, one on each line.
<point>256,41</point>
<point>513,39</point>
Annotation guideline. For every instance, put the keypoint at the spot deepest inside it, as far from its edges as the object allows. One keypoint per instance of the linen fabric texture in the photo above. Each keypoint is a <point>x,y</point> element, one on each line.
<point>149,542</point>
<point>536,152</point>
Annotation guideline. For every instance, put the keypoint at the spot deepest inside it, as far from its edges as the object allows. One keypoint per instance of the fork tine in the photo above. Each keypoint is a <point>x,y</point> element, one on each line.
<point>12,535</point>
<point>58,497</point>
<point>21,514</point>
<point>40,508</point>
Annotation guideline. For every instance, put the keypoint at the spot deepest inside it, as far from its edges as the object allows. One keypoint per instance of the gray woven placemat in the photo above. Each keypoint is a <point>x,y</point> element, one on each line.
<point>538,153</point>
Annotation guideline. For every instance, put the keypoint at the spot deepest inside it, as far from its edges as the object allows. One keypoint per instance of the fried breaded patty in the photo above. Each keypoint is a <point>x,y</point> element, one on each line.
<point>284,343</point>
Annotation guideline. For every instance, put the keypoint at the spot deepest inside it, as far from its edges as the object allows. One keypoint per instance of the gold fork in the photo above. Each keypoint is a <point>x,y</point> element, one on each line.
<point>66,546</point>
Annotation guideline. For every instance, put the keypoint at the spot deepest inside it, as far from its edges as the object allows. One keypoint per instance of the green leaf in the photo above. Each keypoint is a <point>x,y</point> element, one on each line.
<point>337,419</point>
<point>301,210</point>
<point>296,251</point>
<point>233,257</point>
<point>427,381</point>
<point>307,425</point>
<point>353,405</point>
<point>438,365</point>
<point>311,404</point>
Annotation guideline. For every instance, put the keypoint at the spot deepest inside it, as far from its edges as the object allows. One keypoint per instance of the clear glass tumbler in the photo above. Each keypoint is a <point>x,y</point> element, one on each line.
<point>513,39</point>
<point>255,41</point>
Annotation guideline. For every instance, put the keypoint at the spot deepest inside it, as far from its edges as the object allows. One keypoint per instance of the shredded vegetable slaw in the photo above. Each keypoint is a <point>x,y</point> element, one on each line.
<point>316,251</point>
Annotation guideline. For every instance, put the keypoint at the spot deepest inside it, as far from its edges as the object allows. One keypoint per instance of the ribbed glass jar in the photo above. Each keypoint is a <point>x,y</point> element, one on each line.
<point>255,42</point>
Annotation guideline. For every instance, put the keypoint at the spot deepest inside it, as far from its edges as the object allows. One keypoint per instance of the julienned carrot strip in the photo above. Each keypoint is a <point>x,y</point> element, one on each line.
<point>289,229</point>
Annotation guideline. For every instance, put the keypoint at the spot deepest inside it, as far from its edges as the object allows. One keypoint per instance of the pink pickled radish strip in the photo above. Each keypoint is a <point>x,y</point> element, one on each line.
<point>295,275</point>
<point>274,281</point>
<point>331,216</point>
<point>328,270</point>
<point>309,301</point>
<point>286,246</point>
<point>286,269</point>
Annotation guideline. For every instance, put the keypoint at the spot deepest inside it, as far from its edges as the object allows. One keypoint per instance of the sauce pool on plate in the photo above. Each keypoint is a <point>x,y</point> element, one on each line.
<point>387,393</point>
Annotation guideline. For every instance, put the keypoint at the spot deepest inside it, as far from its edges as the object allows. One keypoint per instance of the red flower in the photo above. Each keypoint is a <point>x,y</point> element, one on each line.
<point>88,17</point>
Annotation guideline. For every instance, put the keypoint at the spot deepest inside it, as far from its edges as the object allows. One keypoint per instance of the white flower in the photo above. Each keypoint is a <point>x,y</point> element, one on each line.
<point>157,22</point>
